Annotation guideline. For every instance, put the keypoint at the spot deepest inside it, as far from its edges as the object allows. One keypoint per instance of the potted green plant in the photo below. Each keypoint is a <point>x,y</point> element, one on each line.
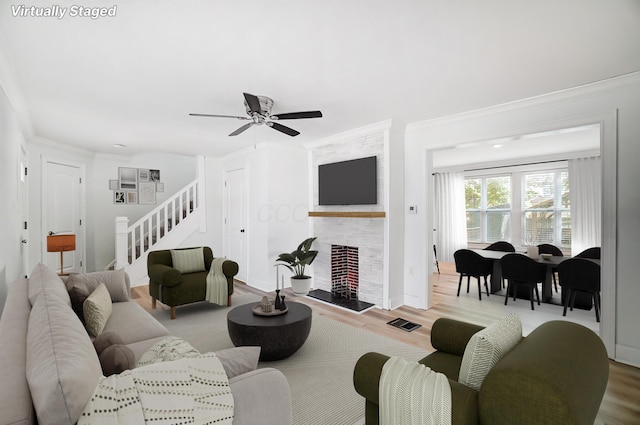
<point>296,261</point>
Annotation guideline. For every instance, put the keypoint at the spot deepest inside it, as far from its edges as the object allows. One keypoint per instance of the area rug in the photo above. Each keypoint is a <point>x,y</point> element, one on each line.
<point>320,374</point>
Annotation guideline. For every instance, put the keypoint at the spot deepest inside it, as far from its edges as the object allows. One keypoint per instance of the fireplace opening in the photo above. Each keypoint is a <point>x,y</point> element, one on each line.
<point>345,280</point>
<point>345,273</point>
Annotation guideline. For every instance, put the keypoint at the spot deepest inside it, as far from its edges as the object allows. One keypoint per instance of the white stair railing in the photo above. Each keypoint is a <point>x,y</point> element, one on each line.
<point>136,240</point>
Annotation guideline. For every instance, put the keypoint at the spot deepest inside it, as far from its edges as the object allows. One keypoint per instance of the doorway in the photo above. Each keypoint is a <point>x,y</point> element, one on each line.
<point>23,202</point>
<point>235,220</point>
<point>607,147</point>
<point>62,195</point>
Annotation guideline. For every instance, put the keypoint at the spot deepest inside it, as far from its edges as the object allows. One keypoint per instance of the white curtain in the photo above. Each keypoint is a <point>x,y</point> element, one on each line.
<point>585,185</point>
<point>451,224</point>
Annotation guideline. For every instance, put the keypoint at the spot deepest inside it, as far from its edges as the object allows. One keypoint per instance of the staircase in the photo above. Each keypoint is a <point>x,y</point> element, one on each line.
<point>165,227</point>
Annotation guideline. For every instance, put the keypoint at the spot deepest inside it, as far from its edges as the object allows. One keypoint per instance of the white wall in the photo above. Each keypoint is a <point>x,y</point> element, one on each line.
<point>276,179</point>
<point>11,142</point>
<point>613,103</point>
<point>213,191</point>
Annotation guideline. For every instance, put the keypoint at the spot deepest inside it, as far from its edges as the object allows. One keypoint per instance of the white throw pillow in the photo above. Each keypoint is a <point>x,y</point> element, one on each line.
<point>487,347</point>
<point>97,310</point>
<point>188,260</point>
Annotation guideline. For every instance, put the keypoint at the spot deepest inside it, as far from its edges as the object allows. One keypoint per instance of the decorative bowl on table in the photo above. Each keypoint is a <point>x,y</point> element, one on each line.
<point>546,256</point>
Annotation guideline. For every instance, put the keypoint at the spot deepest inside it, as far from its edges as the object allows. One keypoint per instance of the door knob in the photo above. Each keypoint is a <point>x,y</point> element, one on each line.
<point>24,241</point>
<point>241,230</point>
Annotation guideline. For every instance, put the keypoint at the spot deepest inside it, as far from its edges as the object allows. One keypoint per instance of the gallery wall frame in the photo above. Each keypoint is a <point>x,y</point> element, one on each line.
<point>147,193</point>
<point>136,186</point>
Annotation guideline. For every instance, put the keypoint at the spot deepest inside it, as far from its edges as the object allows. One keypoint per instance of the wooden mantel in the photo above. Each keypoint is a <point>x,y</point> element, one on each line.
<point>348,214</point>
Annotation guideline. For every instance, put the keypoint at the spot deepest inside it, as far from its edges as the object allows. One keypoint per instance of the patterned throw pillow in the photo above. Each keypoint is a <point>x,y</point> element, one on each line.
<point>487,347</point>
<point>188,260</point>
<point>97,310</point>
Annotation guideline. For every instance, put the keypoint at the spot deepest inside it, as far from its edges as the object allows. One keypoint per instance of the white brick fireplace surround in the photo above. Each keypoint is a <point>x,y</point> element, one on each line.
<point>366,234</point>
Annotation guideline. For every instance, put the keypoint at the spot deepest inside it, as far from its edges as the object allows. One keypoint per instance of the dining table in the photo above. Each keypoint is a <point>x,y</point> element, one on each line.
<point>551,262</point>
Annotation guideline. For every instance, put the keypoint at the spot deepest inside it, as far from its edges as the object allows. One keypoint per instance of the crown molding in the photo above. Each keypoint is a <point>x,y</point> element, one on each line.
<point>531,102</point>
<point>43,141</point>
<point>351,134</point>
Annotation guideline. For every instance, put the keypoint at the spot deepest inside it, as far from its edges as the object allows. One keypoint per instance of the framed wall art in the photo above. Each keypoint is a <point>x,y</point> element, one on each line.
<point>136,186</point>
<point>143,175</point>
<point>132,197</point>
<point>118,197</point>
<point>147,193</point>
<point>128,178</point>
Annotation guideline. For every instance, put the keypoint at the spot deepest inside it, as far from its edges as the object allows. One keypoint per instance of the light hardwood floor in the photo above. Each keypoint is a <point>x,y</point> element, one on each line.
<point>621,403</point>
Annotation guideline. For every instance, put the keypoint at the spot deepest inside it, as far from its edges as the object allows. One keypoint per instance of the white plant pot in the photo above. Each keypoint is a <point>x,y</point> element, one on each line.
<point>301,286</point>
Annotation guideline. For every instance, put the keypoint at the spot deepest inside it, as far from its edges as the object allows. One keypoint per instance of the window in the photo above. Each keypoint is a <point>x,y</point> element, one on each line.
<point>546,217</point>
<point>526,207</point>
<point>488,204</point>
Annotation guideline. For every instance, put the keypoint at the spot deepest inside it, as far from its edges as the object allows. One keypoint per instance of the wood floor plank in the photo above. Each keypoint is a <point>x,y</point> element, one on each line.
<point>621,403</point>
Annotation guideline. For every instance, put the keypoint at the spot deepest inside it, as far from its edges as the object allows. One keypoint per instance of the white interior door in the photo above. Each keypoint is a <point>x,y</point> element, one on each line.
<point>24,211</point>
<point>236,220</point>
<point>61,213</point>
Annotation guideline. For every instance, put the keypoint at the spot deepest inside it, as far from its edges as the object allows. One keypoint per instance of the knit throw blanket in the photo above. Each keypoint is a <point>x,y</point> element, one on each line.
<point>217,290</point>
<point>411,393</point>
<point>168,349</point>
<point>190,390</point>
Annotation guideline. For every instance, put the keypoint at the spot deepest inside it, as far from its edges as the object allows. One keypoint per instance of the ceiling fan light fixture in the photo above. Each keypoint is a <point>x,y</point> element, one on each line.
<point>266,103</point>
<point>259,112</point>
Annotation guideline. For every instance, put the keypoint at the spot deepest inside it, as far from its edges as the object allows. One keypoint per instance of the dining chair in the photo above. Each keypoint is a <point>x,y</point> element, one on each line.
<point>547,248</point>
<point>501,246</point>
<point>519,269</point>
<point>472,264</point>
<point>593,253</point>
<point>580,275</point>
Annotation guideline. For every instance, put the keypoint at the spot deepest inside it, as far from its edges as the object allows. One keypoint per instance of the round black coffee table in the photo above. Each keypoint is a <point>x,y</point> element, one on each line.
<point>279,336</point>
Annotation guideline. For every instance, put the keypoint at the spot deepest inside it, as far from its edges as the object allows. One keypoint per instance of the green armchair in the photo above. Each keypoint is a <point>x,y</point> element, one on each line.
<point>555,375</point>
<point>170,287</point>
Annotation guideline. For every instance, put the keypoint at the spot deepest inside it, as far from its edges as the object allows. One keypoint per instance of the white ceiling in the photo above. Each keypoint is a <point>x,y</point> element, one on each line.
<point>133,78</point>
<point>559,144</point>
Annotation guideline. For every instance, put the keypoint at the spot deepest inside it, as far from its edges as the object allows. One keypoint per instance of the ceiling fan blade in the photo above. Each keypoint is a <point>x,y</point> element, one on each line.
<point>253,102</point>
<point>220,116</point>
<point>283,129</point>
<point>298,115</point>
<point>241,129</point>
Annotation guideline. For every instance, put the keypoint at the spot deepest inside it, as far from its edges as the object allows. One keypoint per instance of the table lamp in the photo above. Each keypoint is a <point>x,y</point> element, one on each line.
<point>61,243</point>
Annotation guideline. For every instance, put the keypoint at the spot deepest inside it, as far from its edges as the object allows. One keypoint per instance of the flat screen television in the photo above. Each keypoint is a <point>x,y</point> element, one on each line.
<point>353,182</point>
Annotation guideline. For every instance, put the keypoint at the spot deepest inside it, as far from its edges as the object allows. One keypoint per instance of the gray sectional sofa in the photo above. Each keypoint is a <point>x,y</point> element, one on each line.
<point>50,366</point>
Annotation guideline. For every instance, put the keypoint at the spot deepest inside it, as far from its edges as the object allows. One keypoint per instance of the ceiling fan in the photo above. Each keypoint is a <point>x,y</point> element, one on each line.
<point>259,113</point>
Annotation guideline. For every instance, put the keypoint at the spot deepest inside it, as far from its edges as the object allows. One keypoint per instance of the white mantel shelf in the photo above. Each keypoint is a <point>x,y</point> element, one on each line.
<point>348,214</point>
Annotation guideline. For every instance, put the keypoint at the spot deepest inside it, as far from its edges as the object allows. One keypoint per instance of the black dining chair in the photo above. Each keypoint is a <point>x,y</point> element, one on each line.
<point>472,264</point>
<point>547,248</point>
<point>593,253</point>
<point>580,275</point>
<point>518,269</point>
<point>503,246</point>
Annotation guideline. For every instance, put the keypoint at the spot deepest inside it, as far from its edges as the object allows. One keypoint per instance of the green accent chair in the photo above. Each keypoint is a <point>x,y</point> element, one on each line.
<point>555,375</point>
<point>172,288</point>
